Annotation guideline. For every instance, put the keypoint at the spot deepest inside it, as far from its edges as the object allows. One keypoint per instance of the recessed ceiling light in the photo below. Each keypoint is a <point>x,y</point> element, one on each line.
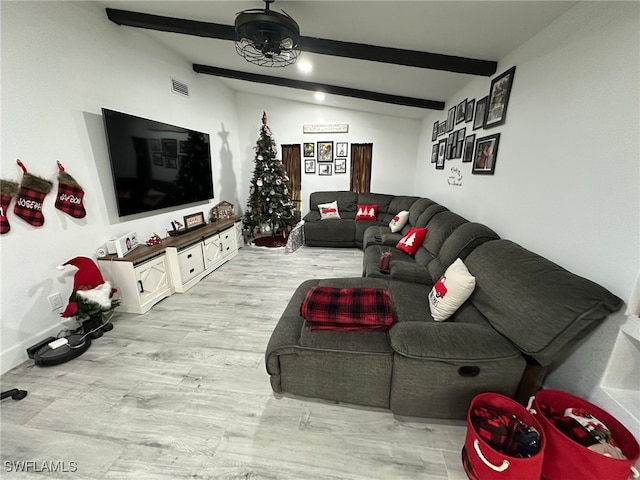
<point>320,96</point>
<point>305,66</point>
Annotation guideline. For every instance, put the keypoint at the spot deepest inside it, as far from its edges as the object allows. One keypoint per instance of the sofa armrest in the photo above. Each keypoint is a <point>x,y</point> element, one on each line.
<point>410,272</point>
<point>450,342</point>
<point>312,217</point>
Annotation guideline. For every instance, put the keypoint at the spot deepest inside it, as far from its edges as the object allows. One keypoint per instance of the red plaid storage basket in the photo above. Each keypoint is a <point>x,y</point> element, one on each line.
<point>482,462</point>
<point>565,458</point>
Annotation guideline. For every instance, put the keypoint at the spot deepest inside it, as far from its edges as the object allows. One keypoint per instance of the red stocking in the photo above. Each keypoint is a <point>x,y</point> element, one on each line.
<point>70,195</point>
<point>8,190</point>
<point>32,191</point>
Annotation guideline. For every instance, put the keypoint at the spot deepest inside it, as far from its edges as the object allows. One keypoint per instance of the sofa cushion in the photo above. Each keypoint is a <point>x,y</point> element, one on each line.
<point>379,199</point>
<point>541,307</point>
<point>399,221</point>
<point>415,211</point>
<point>401,202</point>
<point>459,244</point>
<point>451,291</point>
<point>412,240</point>
<point>367,212</point>
<point>330,233</point>
<point>329,211</point>
<point>347,201</point>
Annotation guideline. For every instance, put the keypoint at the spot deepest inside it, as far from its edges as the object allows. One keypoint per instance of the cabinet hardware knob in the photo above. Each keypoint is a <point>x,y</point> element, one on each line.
<point>189,256</point>
<point>192,270</point>
<point>140,286</point>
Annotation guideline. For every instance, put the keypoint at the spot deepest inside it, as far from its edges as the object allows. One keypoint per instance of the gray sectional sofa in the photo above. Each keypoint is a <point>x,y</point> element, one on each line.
<point>525,315</point>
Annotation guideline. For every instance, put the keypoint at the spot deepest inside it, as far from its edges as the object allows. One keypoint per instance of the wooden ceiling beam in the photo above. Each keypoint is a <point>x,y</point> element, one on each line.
<point>360,51</point>
<point>320,87</point>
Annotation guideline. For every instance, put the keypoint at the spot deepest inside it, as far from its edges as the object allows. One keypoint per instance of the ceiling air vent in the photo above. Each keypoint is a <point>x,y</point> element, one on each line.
<point>179,87</point>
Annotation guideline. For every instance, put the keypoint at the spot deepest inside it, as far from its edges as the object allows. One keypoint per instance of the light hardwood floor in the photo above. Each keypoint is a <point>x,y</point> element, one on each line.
<point>182,392</point>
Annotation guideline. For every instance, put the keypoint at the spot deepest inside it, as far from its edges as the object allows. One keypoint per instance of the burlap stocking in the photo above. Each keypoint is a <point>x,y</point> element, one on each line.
<point>31,194</point>
<point>70,195</point>
<point>8,190</point>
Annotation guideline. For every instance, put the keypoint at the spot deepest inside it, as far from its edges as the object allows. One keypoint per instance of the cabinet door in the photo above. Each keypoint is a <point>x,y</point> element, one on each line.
<point>212,250</point>
<point>152,280</point>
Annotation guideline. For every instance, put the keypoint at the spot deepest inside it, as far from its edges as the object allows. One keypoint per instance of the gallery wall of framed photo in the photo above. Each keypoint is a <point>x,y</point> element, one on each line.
<point>325,157</point>
<point>466,133</point>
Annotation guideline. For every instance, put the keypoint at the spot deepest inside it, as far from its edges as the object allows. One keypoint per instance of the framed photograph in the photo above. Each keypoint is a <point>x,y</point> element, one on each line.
<point>461,111</point>
<point>155,145</point>
<point>468,148</point>
<point>434,153</point>
<point>157,158</point>
<point>470,104</point>
<point>451,140</point>
<point>460,142</point>
<point>325,152</point>
<point>486,153</point>
<point>171,162</point>
<point>442,128</point>
<point>499,98</point>
<point>480,114</point>
<point>310,165</point>
<point>341,165</point>
<point>309,149</point>
<point>442,147</point>
<point>194,220</point>
<point>182,145</point>
<point>341,149</point>
<point>434,133</point>
<point>451,116</point>
<point>324,168</point>
<point>169,147</point>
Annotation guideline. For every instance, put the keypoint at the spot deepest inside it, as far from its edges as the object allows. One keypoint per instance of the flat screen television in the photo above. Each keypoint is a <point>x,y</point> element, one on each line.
<point>156,165</point>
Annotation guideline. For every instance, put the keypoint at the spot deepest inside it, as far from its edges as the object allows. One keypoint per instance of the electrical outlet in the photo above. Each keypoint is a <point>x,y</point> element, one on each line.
<point>55,301</point>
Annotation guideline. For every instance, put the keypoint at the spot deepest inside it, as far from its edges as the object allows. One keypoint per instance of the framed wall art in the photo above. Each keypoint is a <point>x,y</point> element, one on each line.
<point>325,152</point>
<point>341,149</point>
<point>468,148</point>
<point>310,165</point>
<point>451,117</point>
<point>341,165</point>
<point>324,168</point>
<point>442,147</point>
<point>434,133</point>
<point>460,142</point>
<point>486,153</point>
<point>442,128</point>
<point>461,111</point>
<point>157,158</point>
<point>499,94</point>
<point>309,149</point>
<point>480,114</point>
<point>470,104</point>
<point>434,153</point>
<point>169,147</point>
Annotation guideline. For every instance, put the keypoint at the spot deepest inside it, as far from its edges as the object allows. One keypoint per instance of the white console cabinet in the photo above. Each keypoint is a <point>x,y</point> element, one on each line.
<point>141,285</point>
<point>150,273</point>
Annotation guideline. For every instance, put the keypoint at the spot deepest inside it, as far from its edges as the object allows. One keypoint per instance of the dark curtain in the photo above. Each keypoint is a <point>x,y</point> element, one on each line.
<point>292,161</point>
<point>361,167</point>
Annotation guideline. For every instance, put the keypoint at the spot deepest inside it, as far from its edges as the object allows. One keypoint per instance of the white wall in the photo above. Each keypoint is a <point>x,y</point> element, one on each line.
<point>62,62</point>
<point>567,175</point>
<point>395,142</point>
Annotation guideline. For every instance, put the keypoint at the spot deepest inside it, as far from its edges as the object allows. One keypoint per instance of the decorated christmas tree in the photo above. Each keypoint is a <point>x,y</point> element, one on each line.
<point>269,207</point>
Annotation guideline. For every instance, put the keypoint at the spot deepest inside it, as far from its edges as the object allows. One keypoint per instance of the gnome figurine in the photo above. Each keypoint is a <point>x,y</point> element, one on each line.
<point>91,297</point>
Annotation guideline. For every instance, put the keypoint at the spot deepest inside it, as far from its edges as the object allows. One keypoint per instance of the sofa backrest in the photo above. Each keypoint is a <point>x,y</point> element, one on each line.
<point>542,308</point>
<point>426,216</point>
<point>415,211</point>
<point>462,241</point>
<point>347,201</point>
<point>439,228</point>
<point>379,199</point>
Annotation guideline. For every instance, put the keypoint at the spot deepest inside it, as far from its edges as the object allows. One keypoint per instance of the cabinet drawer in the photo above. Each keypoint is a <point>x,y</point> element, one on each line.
<point>212,239</point>
<point>191,262</point>
<point>228,246</point>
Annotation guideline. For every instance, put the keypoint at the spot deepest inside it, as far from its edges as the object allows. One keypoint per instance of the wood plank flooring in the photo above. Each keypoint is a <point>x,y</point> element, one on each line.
<point>182,392</point>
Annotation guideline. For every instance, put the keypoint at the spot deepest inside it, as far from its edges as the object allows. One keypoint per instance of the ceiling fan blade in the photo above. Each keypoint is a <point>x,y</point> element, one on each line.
<point>396,56</point>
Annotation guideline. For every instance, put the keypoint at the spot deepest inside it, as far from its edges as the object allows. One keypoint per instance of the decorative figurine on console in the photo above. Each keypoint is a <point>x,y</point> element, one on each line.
<point>91,297</point>
<point>154,240</point>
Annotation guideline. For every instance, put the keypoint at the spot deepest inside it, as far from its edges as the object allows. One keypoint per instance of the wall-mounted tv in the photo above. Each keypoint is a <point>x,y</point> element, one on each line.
<point>156,165</point>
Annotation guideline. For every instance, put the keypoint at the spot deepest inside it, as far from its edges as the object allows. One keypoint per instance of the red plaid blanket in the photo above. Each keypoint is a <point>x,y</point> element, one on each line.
<point>347,309</point>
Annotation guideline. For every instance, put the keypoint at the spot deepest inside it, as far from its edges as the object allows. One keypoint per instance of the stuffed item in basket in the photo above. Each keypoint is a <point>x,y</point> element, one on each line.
<point>505,433</point>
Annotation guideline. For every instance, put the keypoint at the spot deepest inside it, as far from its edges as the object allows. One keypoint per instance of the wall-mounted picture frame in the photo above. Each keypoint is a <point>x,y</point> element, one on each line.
<point>451,118</point>
<point>157,158</point>
<point>468,148</point>
<point>480,113</point>
<point>182,146</point>
<point>470,104</point>
<point>442,147</point>
<point>442,128</point>
<point>156,146</point>
<point>324,168</point>
<point>171,162</point>
<point>194,220</point>
<point>341,165</point>
<point>461,111</point>
<point>341,149</point>
<point>325,152</point>
<point>434,133</point>
<point>451,140</point>
<point>460,142</point>
<point>434,153</point>
<point>310,165</point>
<point>169,147</point>
<point>308,149</point>
<point>499,94</point>
<point>485,155</point>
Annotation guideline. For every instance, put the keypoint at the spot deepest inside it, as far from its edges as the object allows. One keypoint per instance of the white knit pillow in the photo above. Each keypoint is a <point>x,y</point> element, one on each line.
<point>329,210</point>
<point>399,221</point>
<point>451,291</point>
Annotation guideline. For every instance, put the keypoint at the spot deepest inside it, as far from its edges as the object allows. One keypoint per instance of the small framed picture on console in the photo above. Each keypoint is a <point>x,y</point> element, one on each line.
<point>194,220</point>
